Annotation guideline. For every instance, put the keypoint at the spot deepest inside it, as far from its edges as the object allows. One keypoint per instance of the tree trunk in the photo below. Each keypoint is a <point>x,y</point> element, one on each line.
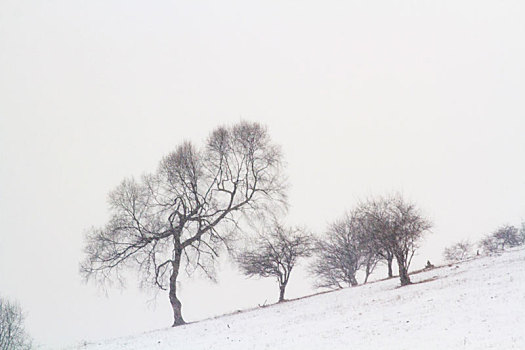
<point>369,268</point>
<point>175,302</point>
<point>282,288</point>
<point>367,273</point>
<point>403,271</point>
<point>353,281</point>
<point>389,262</point>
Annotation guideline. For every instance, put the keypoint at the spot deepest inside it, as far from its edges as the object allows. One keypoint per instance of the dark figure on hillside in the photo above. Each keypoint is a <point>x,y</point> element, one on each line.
<point>429,265</point>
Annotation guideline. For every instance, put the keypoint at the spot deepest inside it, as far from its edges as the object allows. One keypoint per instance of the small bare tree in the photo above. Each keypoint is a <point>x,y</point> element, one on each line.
<point>489,245</point>
<point>181,215</point>
<point>12,333</point>
<point>341,254</point>
<point>394,225</point>
<point>507,236</point>
<point>275,254</point>
<point>459,251</point>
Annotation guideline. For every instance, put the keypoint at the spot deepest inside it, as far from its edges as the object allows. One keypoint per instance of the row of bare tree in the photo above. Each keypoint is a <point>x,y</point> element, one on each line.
<point>380,229</point>
<point>197,202</point>
<point>506,236</point>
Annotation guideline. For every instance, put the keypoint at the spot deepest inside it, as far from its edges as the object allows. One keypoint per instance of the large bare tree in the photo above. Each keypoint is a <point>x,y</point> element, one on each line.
<point>275,254</point>
<point>395,225</point>
<point>181,215</point>
<point>12,333</point>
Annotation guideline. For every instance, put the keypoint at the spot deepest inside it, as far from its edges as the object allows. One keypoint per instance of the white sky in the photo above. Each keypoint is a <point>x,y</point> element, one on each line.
<point>423,97</point>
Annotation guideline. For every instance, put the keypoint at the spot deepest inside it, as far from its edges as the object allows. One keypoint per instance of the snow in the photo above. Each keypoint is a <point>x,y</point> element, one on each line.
<point>478,304</point>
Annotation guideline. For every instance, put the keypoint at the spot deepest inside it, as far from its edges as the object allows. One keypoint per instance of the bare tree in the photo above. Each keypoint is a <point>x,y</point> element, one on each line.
<point>182,214</point>
<point>395,225</point>
<point>507,236</point>
<point>489,244</point>
<point>504,236</point>
<point>459,251</point>
<point>275,254</point>
<point>12,333</point>
<point>341,254</point>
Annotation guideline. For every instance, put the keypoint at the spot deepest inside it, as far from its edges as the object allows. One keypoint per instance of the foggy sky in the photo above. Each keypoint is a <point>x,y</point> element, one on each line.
<point>421,97</point>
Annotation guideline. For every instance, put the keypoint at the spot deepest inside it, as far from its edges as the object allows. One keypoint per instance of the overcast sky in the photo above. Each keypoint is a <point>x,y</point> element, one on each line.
<point>365,97</point>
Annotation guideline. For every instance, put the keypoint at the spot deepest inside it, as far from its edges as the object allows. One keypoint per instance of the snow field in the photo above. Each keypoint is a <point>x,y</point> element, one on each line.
<point>479,304</point>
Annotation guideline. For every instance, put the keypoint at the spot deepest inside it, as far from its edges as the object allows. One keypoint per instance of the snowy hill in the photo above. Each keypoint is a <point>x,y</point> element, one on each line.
<point>479,304</point>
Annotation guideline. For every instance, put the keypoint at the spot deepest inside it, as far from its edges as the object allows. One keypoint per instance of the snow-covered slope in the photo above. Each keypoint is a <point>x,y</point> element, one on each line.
<point>479,304</point>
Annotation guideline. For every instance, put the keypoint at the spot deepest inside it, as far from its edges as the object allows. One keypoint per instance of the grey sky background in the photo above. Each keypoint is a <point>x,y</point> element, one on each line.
<point>422,97</point>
